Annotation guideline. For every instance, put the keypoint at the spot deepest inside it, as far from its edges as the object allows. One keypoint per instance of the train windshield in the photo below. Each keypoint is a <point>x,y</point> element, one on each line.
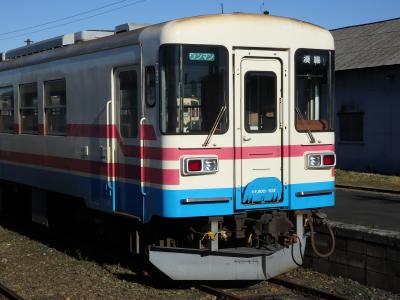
<point>193,88</point>
<point>314,93</point>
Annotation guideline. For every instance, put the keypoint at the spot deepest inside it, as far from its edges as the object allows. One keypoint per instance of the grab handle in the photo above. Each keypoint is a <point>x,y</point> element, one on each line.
<point>142,156</point>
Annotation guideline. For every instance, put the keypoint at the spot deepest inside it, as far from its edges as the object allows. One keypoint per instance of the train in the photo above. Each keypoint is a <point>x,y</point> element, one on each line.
<point>212,134</point>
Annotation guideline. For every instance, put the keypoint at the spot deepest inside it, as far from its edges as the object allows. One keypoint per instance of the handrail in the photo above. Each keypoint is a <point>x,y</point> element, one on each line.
<point>142,171</point>
<point>110,171</point>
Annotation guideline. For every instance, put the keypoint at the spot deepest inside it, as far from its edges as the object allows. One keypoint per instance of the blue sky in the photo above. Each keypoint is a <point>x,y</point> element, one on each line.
<point>27,14</point>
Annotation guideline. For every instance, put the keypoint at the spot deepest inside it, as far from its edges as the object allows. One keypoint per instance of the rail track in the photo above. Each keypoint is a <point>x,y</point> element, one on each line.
<point>294,286</point>
<point>6,293</point>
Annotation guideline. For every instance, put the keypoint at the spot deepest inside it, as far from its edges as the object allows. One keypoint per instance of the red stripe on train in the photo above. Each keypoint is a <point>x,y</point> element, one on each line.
<point>152,175</point>
<point>227,153</point>
<point>170,154</point>
<point>106,131</point>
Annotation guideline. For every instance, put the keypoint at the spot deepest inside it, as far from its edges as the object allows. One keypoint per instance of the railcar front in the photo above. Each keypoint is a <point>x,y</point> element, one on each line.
<point>246,145</point>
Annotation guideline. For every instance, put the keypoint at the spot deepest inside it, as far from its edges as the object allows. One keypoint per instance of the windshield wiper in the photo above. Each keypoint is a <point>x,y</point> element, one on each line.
<point>309,133</point>
<point>214,127</point>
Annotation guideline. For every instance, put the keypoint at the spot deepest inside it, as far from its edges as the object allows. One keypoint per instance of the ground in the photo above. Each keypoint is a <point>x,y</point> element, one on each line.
<point>368,180</point>
<point>40,265</point>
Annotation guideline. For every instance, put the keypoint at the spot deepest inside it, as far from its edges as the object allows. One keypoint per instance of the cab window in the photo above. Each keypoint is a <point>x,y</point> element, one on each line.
<point>193,89</point>
<point>314,97</point>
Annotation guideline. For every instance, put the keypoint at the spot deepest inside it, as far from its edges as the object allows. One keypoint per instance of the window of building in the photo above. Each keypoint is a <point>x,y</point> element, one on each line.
<point>351,126</point>
<point>29,108</point>
<point>150,86</point>
<point>127,94</point>
<point>260,101</point>
<point>55,107</point>
<point>194,89</point>
<point>7,109</point>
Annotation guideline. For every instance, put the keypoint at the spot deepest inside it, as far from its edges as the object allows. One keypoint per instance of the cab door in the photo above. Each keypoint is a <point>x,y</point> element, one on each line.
<point>259,81</point>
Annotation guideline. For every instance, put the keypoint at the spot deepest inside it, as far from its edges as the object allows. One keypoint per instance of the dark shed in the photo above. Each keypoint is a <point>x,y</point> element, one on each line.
<point>368,97</point>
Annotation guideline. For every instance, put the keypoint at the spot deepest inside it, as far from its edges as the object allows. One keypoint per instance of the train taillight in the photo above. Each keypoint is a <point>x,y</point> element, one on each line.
<point>320,160</point>
<point>194,165</point>
<point>328,160</point>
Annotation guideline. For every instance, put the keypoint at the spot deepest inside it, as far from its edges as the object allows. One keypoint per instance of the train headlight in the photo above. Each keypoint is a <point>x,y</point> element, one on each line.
<point>199,165</point>
<point>314,160</point>
<point>210,165</point>
<point>320,160</point>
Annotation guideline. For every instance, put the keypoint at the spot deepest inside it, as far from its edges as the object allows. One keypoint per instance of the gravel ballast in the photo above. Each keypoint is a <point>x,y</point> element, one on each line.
<point>37,268</point>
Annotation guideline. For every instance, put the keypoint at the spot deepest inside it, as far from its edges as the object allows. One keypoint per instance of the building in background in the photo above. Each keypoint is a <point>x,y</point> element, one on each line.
<point>368,97</point>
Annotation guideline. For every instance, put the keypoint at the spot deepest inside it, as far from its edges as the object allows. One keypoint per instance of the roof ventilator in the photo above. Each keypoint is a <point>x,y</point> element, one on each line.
<point>128,27</point>
<point>88,35</point>
<point>56,42</point>
<point>65,40</point>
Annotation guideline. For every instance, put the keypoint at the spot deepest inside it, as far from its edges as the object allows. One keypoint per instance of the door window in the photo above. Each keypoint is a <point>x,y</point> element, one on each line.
<point>260,101</point>
<point>127,97</point>
<point>150,86</point>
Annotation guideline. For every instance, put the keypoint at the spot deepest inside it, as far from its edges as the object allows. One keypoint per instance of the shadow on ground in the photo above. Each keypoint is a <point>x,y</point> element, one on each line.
<point>91,245</point>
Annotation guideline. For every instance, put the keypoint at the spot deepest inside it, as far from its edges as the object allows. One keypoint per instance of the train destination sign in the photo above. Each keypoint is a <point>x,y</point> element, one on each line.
<point>201,56</point>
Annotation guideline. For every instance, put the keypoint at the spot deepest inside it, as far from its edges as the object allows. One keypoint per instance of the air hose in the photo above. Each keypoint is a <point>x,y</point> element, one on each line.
<point>312,232</point>
<point>301,253</point>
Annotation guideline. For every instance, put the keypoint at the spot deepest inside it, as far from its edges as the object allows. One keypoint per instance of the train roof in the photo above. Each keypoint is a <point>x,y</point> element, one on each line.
<point>237,29</point>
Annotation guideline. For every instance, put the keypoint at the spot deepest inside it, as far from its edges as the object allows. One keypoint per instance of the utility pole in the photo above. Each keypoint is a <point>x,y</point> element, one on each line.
<point>28,42</point>
<point>263,10</point>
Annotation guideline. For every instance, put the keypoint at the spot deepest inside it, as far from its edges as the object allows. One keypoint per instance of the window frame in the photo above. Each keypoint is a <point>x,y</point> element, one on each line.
<point>12,109</point>
<point>351,113</point>
<point>148,85</point>
<point>117,71</point>
<point>331,88</point>
<point>158,79</point>
<point>47,107</point>
<point>25,108</point>
<point>246,117</point>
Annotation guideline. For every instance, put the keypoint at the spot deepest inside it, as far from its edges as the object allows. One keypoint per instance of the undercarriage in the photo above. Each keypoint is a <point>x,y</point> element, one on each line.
<point>248,246</point>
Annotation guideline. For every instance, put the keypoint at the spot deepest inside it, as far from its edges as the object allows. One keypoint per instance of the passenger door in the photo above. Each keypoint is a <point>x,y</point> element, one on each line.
<point>259,81</point>
<point>126,166</point>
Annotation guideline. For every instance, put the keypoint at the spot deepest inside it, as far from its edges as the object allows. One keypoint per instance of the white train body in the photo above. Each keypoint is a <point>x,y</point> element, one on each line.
<point>122,121</point>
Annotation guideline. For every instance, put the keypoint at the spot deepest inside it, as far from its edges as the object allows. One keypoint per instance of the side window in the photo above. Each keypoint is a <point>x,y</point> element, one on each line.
<point>127,97</point>
<point>29,108</point>
<point>260,101</point>
<point>7,109</point>
<point>55,107</point>
<point>150,86</point>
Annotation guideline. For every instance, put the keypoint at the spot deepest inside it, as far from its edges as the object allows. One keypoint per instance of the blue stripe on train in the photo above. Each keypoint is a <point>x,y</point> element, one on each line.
<point>166,203</point>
